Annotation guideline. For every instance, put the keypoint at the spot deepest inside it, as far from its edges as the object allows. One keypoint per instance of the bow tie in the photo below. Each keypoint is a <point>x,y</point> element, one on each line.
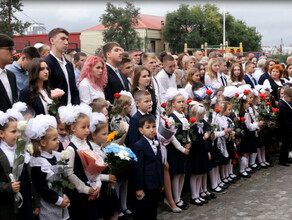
<point>200,126</point>
<point>155,142</point>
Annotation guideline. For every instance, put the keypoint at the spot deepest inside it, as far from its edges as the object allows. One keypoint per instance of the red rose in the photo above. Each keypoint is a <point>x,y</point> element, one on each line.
<point>209,92</point>
<point>268,103</point>
<point>275,109</point>
<point>117,95</point>
<point>237,119</point>
<point>217,110</point>
<point>163,105</point>
<point>236,94</point>
<point>189,101</point>
<point>242,119</point>
<point>245,92</point>
<point>262,96</point>
<point>193,120</point>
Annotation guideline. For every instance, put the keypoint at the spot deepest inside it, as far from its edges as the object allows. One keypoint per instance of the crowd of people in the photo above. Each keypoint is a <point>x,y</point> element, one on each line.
<point>186,117</point>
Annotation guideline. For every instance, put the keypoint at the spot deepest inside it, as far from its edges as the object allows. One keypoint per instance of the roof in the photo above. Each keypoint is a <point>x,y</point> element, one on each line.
<point>144,22</point>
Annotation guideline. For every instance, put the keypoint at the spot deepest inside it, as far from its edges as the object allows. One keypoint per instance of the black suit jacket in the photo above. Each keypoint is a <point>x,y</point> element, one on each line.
<point>263,77</point>
<point>114,84</point>
<point>37,106</point>
<point>5,101</point>
<point>248,81</point>
<point>133,133</point>
<point>148,169</point>
<point>284,121</point>
<point>57,80</point>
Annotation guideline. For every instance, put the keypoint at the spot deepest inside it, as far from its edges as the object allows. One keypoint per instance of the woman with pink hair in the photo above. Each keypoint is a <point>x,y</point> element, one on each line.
<point>92,80</point>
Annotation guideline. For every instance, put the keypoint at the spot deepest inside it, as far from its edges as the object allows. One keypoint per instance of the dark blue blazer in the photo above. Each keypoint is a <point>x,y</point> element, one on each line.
<point>5,102</point>
<point>148,170</point>
<point>248,81</point>
<point>37,106</point>
<point>57,80</point>
<point>284,120</point>
<point>133,132</point>
<point>263,78</point>
<point>114,84</point>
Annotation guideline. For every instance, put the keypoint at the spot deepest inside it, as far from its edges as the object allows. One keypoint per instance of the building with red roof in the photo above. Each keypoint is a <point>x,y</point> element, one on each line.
<point>148,27</point>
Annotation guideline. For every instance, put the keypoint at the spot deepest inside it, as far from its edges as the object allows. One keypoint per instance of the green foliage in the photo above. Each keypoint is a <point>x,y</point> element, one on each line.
<point>120,22</point>
<point>9,23</point>
<point>204,23</point>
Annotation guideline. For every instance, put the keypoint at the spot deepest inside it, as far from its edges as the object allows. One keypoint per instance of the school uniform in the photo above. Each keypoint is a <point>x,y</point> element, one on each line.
<point>198,156</point>
<point>8,208</point>
<point>175,149</point>
<point>50,198</point>
<point>153,98</point>
<point>8,89</point>
<point>284,124</point>
<point>148,171</point>
<point>250,80</point>
<point>80,207</point>
<point>133,133</point>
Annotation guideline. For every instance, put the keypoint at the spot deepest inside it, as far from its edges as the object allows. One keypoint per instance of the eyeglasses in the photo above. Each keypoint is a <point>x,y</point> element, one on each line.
<point>10,49</point>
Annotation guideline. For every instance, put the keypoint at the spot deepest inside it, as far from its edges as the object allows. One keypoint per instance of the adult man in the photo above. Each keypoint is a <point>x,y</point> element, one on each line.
<point>79,60</point>
<point>166,77</point>
<point>19,68</point>
<point>135,54</point>
<point>222,75</point>
<point>62,72</point>
<point>127,68</point>
<point>199,55</point>
<point>289,60</point>
<point>8,89</point>
<point>249,70</point>
<point>259,70</point>
<point>117,81</point>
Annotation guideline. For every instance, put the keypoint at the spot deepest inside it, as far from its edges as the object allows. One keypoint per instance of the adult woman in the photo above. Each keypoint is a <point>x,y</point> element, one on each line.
<point>236,75</point>
<point>288,73</point>
<point>92,80</point>
<point>266,74</point>
<point>193,75</point>
<point>37,93</point>
<point>274,80</point>
<point>202,70</point>
<point>211,78</point>
<point>142,81</point>
<point>188,62</point>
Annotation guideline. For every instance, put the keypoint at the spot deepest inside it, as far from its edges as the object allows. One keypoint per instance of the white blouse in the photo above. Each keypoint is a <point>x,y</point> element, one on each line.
<point>45,100</point>
<point>189,90</point>
<point>87,93</point>
<point>214,83</point>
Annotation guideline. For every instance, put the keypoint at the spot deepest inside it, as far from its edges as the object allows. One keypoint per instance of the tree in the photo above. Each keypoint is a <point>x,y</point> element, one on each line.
<point>9,23</point>
<point>120,22</point>
<point>205,24</point>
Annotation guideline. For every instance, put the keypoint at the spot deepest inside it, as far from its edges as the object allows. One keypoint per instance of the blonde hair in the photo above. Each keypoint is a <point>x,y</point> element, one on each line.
<point>195,113</point>
<point>169,108</point>
<point>98,104</point>
<point>190,74</point>
<point>187,59</point>
<point>210,71</point>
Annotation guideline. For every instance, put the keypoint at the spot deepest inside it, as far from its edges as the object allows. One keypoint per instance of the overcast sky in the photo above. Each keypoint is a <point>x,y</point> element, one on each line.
<point>273,19</point>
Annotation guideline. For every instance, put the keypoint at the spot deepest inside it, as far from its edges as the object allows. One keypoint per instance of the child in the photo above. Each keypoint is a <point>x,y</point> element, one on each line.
<point>284,124</point>
<point>120,123</point>
<point>148,170</point>
<point>144,105</point>
<point>248,142</point>
<point>108,204</point>
<point>63,134</point>
<point>100,105</point>
<point>80,205</point>
<point>179,147</point>
<point>199,156</point>
<point>44,136</point>
<point>9,209</point>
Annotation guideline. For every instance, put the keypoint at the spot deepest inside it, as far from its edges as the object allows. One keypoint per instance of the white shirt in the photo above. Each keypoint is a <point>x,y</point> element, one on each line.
<point>153,143</point>
<point>87,93</point>
<point>165,82</point>
<point>268,84</point>
<point>63,64</point>
<point>257,74</point>
<point>214,83</point>
<point>6,84</point>
<point>189,90</point>
<point>46,100</point>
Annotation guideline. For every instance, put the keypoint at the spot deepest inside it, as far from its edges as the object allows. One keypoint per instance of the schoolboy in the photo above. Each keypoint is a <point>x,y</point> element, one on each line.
<point>284,124</point>
<point>144,104</point>
<point>148,170</point>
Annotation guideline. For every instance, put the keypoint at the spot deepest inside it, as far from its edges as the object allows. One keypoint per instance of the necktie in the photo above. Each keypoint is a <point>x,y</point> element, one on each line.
<point>254,81</point>
<point>223,81</point>
<point>120,77</point>
<point>155,144</point>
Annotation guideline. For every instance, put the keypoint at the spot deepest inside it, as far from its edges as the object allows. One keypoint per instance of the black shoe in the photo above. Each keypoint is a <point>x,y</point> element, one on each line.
<point>255,167</point>
<point>218,189</point>
<point>284,164</point>
<point>203,200</point>
<point>196,202</point>
<point>235,178</point>
<point>224,186</point>
<point>182,206</point>
<point>206,196</point>
<point>251,171</point>
<point>245,175</point>
<point>211,195</point>
<point>263,165</point>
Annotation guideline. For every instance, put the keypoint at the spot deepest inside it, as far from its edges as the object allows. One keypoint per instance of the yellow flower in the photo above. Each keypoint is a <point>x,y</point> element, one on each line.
<point>111,136</point>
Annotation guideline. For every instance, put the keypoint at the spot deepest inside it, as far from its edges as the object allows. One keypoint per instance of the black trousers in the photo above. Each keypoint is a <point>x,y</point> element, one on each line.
<point>146,209</point>
<point>286,145</point>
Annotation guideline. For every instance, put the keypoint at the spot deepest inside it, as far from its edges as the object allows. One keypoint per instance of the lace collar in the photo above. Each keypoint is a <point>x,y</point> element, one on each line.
<point>47,155</point>
<point>80,144</point>
<point>8,151</point>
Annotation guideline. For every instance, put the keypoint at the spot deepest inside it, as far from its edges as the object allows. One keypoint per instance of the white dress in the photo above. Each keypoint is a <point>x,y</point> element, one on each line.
<point>214,83</point>
<point>87,93</point>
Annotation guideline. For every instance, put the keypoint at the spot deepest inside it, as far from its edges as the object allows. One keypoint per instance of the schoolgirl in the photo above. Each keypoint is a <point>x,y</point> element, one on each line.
<point>80,205</point>
<point>44,136</point>
<point>179,147</point>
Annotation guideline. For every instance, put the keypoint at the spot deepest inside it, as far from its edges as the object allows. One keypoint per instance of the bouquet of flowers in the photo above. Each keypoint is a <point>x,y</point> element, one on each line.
<point>267,113</point>
<point>53,107</point>
<point>93,165</point>
<point>61,175</point>
<point>119,159</point>
<point>166,130</point>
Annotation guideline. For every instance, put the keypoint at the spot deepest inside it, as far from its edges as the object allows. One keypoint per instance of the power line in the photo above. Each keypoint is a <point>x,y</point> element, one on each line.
<point>43,27</point>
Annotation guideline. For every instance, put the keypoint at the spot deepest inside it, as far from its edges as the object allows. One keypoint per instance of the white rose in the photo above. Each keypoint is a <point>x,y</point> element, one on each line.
<point>21,125</point>
<point>29,148</point>
<point>64,155</point>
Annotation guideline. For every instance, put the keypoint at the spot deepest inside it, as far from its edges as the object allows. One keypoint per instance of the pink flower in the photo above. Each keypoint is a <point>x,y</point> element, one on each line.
<point>56,93</point>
